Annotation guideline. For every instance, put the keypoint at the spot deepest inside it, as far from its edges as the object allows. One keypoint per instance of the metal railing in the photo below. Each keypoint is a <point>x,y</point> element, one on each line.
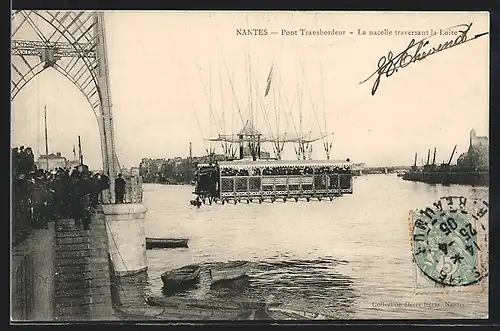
<point>285,185</point>
<point>133,189</point>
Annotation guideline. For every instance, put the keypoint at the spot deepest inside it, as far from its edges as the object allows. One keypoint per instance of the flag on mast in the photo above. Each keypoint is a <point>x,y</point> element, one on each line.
<point>269,79</point>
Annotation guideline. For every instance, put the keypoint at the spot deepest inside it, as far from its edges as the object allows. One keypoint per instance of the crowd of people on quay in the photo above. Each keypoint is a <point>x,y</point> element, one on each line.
<point>39,196</point>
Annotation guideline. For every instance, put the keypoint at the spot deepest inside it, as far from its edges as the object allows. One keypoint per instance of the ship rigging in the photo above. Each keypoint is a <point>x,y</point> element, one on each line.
<point>248,142</point>
<point>248,172</point>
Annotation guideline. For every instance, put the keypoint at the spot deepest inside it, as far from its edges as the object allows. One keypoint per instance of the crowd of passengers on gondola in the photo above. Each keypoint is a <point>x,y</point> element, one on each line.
<point>285,171</point>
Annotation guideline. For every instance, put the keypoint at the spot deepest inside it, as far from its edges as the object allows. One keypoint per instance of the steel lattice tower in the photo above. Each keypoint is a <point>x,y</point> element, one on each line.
<point>74,44</point>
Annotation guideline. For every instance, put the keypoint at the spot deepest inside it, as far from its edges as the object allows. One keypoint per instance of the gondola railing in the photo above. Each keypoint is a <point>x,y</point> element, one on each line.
<point>321,184</point>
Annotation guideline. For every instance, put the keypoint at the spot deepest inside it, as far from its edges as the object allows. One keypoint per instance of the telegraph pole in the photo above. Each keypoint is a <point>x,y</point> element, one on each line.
<point>46,138</point>
<point>80,154</point>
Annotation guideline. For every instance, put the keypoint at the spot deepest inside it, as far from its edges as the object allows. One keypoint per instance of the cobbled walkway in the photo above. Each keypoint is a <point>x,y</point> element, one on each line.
<point>82,288</point>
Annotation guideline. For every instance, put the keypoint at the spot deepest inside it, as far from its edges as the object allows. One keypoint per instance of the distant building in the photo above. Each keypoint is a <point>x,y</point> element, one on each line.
<point>477,156</point>
<point>478,141</point>
<point>134,171</point>
<point>72,164</point>
<point>360,165</point>
<point>51,161</point>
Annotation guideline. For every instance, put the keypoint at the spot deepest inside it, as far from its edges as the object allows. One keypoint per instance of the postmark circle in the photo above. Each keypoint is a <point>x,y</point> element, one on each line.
<point>445,245</point>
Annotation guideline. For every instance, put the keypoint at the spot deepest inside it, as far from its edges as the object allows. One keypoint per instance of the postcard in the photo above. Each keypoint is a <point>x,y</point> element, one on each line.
<point>249,165</point>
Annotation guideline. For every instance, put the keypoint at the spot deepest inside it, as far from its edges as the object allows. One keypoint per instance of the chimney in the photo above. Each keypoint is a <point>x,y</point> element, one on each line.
<point>190,152</point>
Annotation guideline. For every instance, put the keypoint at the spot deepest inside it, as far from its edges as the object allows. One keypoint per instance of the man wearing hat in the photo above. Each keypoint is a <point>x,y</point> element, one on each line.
<point>119,188</point>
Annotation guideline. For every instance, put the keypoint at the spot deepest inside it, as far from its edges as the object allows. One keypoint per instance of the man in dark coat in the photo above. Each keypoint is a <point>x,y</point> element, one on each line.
<point>86,183</point>
<point>119,188</point>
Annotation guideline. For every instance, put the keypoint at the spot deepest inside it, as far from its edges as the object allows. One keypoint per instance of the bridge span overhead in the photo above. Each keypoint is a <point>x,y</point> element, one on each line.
<point>73,44</point>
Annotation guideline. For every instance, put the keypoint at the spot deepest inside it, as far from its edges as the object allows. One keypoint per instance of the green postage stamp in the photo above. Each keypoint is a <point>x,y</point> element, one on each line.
<point>450,245</point>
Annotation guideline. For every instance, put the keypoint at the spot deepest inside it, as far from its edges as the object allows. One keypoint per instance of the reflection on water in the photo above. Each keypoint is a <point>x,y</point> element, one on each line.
<point>341,258</point>
<point>279,282</point>
<point>306,284</point>
<point>231,288</point>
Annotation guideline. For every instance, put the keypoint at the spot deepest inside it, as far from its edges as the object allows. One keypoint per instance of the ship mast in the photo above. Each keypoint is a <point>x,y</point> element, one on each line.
<point>190,153</point>
<point>80,155</point>
<point>46,138</point>
<point>326,144</point>
<point>300,151</point>
<point>452,153</point>
<point>252,151</point>
<point>301,142</point>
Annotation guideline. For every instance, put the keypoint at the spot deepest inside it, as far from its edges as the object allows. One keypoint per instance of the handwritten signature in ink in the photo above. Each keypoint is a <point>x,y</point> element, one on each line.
<point>390,64</point>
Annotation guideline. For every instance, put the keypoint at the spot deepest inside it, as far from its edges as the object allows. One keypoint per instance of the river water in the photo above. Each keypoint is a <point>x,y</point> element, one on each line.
<point>349,258</point>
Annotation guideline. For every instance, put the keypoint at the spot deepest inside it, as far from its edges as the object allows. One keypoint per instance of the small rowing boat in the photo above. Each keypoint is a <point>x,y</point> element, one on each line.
<point>181,278</point>
<point>229,270</point>
<point>166,243</point>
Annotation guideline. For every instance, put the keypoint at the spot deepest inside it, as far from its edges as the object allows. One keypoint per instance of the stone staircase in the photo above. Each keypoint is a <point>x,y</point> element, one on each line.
<point>82,289</point>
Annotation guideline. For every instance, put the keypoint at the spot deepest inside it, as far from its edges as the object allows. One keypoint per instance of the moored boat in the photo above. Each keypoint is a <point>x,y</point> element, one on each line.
<point>183,277</point>
<point>472,167</point>
<point>229,271</point>
<point>166,242</point>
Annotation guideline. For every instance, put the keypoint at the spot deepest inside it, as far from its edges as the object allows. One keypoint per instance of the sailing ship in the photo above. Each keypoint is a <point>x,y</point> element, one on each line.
<point>471,167</point>
<point>249,173</point>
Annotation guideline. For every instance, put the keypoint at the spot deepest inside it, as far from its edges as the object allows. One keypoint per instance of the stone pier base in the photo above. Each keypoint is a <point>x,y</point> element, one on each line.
<point>130,290</point>
<point>82,277</point>
<point>126,237</point>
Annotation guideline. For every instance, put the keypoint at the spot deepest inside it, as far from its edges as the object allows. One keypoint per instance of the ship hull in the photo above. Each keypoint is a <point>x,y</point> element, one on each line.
<point>229,271</point>
<point>152,243</point>
<point>180,279</point>
<point>448,178</point>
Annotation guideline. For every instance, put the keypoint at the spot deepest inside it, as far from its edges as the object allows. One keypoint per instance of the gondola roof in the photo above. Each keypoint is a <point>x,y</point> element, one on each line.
<point>247,164</point>
<point>286,138</point>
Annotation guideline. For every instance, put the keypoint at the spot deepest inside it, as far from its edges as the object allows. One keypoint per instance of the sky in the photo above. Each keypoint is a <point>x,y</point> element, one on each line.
<point>181,77</point>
